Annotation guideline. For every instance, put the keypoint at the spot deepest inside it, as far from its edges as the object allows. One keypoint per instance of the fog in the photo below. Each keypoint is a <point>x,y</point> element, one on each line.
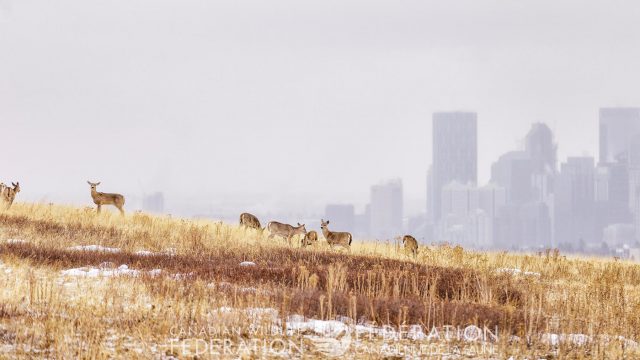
<point>289,105</point>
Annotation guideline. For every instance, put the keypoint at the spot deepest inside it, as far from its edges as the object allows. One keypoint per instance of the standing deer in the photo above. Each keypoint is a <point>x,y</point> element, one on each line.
<point>410,245</point>
<point>310,238</point>
<point>250,221</point>
<point>335,238</point>
<point>9,194</point>
<point>100,198</point>
<point>285,230</point>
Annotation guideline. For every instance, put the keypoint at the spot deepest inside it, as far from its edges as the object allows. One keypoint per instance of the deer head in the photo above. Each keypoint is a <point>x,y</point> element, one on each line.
<point>323,224</point>
<point>93,185</point>
<point>16,187</point>
<point>301,227</point>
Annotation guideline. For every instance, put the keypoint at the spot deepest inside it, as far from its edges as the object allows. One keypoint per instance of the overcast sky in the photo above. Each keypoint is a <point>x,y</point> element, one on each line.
<point>299,100</point>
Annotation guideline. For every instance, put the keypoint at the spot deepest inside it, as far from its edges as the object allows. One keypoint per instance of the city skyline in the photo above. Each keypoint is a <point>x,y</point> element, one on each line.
<point>361,202</point>
<point>186,101</point>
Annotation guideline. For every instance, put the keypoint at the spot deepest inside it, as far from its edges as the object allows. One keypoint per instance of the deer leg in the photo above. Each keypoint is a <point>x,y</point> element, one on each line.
<point>121,210</point>
<point>99,208</point>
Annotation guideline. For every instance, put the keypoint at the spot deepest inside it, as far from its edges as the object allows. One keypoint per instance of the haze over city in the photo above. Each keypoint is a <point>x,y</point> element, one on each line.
<point>348,179</point>
<point>290,106</point>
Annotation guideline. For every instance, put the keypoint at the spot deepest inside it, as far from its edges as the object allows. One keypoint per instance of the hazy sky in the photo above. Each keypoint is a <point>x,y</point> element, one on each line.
<point>300,100</point>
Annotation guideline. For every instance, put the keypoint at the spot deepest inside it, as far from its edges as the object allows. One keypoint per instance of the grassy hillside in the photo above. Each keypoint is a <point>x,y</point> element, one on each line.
<point>183,278</point>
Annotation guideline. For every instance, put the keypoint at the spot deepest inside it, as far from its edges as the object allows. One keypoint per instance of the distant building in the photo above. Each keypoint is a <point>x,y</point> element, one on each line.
<point>633,163</point>
<point>362,222</point>
<point>574,203</point>
<point>514,171</point>
<point>468,214</point>
<point>541,148</point>
<point>617,235</point>
<point>525,226</point>
<point>430,196</point>
<point>612,195</point>
<point>386,210</point>
<point>455,154</point>
<point>342,217</point>
<point>617,127</point>
<point>542,151</point>
<point>528,176</point>
<point>153,203</point>
<point>458,200</point>
<point>491,198</point>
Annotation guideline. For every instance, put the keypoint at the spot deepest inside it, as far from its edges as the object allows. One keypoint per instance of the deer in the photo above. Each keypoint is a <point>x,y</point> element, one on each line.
<point>285,230</point>
<point>8,194</point>
<point>310,238</point>
<point>100,198</point>
<point>343,239</point>
<point>250,221</point>
<point>410,245</point>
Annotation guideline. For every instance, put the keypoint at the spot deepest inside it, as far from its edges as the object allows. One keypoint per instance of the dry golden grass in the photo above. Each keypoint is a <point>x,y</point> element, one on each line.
<point>44,314</point>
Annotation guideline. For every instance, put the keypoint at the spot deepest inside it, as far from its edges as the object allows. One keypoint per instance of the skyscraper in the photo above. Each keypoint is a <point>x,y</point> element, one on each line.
<point>455,154</point>
<point>617,127</point>
<point>574,203</point>
<point>528,178</point>
<point>618,176</point>
<point>542,151</point>
<point>386,209</point>
<point>514,172</point>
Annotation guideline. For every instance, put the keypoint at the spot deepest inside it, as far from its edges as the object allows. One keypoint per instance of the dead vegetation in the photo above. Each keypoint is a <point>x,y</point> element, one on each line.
<point>199,260</point>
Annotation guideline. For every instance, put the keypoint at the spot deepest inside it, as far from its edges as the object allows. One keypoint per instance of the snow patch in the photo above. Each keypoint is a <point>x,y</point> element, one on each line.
<point>516,271</point>
<point>94,248</point>
<point>181,276</point>
<point>583,339</point>
<point>574,339</point>
<point>144,253</point>
<point>247,263</point>
<point>331,328</point>
<point>122,270</point>
<point>16,241</point>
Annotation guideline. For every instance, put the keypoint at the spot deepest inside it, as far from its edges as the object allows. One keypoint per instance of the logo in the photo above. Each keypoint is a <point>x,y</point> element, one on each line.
<point>331,340</point>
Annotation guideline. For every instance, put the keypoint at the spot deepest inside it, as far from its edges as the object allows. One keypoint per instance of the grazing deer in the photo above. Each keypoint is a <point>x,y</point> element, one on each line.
<point>335,238</point>
<point>250,221</point>
<point>410,245</point>
<point>285,230</point>
<point>100,198</point>
<point>9,194</point>
<point>310,238</point>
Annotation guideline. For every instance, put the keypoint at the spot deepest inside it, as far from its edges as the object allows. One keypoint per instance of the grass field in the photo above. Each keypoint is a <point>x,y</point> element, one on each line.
<point>184,294</point>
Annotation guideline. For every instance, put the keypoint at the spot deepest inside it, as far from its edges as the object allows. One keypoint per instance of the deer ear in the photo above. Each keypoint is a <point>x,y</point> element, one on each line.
<point>88,182</point>
<point>98,183</point>
<point>327,221</point>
